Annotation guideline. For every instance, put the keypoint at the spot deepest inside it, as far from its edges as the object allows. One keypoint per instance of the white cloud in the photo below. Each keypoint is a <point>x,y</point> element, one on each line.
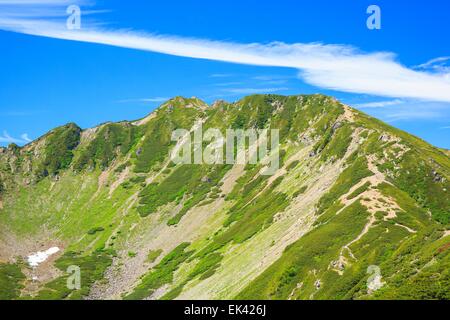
<point>272,78</point>
<point>157,99</point>
<point>337,67</point>
<point>411,110</point>
<point>25,137</point>
<point>35,2</point>
<point>227,84</point>
<point>408,115</point>
<point>21,113</point>
<point>379,104</point>
<point>254,90</point>
<point>6,138</point>
<point>438,65</point>
<point>221,75</point>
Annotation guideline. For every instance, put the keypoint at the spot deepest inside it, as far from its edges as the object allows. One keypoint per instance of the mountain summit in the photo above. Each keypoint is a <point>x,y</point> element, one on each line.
<point>356,210</point>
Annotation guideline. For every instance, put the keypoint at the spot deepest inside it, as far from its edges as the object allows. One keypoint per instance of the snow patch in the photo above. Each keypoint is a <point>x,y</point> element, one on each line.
<point>36,259</point>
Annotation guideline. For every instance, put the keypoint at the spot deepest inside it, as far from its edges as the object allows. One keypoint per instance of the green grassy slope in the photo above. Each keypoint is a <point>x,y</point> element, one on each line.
<point>361,192</point>
<point>410,249</point>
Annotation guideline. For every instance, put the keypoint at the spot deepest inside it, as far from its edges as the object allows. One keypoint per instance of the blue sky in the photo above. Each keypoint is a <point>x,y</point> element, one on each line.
<point>130,56</point>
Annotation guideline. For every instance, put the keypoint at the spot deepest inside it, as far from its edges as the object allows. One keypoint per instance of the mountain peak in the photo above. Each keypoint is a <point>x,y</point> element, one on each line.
<point>180,101</point>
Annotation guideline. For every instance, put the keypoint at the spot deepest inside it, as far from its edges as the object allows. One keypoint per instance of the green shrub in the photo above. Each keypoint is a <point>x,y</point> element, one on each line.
<point>351,176</point>
<point>95,230</point>
<point>112,140</point>
<point>161,274</point>
<point>314,251</point>
<point>193,180</point>
<point>358,191</point>
<point>300,191</point>
<point>11,279</point>
<point>153,255</point>
<point>58,150</point>
<point>292,165</point>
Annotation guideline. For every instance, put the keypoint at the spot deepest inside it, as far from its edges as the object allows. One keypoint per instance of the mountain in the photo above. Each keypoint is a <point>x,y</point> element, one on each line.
<point>356,210</point>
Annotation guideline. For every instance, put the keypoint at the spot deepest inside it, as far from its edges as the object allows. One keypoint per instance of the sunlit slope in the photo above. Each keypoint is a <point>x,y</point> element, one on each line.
<point>351,192</point>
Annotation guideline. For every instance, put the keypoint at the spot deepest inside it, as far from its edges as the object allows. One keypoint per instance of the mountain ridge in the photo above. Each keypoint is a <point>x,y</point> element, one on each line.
<point>110,195</point>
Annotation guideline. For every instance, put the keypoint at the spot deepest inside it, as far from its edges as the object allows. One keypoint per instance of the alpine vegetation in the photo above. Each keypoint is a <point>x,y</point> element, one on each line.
<point>235,143</point>
<point>269,197</point>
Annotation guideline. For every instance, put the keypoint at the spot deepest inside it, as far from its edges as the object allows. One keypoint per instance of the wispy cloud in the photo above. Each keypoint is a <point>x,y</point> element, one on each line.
<point>439,65</point>
<point>25,137</point>
<point>337,67</point>
<point>36,2</point>
<point>254,90</point>
<point>221,75</point>
<point>6,138</point>
<point>40,3</point>
<point>409,115</point>
<point>409,110</point>
<point>144,100</point>
<point>21,113</point>
<point>227,84</point>
<point>379,104</point>
<point>251,84</point>
<point>271,78</point>
<point>37,8</point>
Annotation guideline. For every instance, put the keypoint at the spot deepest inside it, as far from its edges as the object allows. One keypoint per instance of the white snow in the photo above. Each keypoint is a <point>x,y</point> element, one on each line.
<point>36,259</point>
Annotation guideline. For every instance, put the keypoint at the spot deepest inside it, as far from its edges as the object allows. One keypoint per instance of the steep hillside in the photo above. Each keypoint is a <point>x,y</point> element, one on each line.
<point>357,209</point>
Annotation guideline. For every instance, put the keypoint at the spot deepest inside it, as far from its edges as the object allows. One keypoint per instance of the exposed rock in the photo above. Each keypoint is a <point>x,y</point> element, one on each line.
<point>206,180</point>
<point>336,126</point>
<point>437,177</point>
<point>317,284</point>
<point>306,139</point>
<point>278,105</point>
<point>385,138</point>
<point>219,103</point>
